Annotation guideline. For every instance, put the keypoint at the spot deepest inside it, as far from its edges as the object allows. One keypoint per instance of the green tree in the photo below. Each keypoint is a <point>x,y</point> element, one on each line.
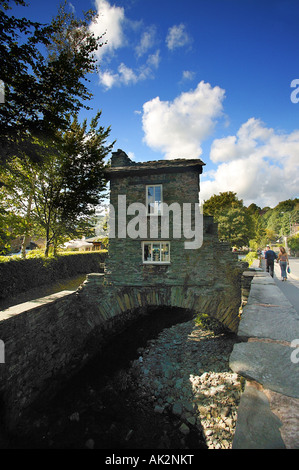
<point>293,243</point>
<point>220,202</point>
<point>234,226</point>
<point>60,193</point>
<point>44,70</point>
<point>235,223</point>
<point>5,234</point>
<point>17,185</point>
<point>282,216</point>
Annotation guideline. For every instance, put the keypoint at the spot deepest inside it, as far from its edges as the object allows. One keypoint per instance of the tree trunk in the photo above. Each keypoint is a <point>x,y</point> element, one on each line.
<point>26,240</point>
<point>27,236</point>
<point>47,242</point>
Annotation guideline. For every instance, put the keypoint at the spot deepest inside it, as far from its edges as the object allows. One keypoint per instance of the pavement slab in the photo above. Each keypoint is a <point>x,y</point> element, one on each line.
<point>257,427</point>
<point>269,364</point>
<point>276,322</point>
<point>267,294</point>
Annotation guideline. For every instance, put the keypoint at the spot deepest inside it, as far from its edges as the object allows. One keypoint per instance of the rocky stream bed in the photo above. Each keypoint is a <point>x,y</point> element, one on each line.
<point>186,372</point>
<point>176,393</point>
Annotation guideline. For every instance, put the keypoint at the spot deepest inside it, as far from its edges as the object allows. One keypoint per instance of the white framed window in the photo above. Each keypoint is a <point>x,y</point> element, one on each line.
<point>155,252</point>
<point>154,199</point>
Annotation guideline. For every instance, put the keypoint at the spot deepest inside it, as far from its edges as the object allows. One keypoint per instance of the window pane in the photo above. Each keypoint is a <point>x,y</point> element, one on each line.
<point>150,192</point>
<point>154,199</point>
<point>147,252</point>
<point>156,252</point>
<point>158,193</point>
<point>158,199</point>
<point>150,199</point>
<point>165,252</point>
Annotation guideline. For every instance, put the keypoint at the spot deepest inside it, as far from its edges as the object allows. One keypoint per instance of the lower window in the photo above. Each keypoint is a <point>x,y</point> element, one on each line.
<point>156,252</point>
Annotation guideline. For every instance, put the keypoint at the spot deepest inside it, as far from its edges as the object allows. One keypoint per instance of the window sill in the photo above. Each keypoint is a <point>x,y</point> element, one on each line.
<point>155,263</point>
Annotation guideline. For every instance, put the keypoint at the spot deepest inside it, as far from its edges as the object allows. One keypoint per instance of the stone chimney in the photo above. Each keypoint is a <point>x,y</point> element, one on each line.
<point>120,158</point>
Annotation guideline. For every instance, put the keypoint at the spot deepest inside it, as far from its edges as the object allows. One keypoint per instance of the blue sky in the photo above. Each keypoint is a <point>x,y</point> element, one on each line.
<point>207,79</point>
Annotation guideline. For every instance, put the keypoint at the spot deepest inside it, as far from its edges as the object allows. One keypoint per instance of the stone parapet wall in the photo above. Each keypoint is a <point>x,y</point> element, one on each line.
<point>41,341</point>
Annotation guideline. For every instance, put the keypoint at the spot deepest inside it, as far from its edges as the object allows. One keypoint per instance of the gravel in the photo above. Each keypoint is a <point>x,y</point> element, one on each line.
<point>186,373</point>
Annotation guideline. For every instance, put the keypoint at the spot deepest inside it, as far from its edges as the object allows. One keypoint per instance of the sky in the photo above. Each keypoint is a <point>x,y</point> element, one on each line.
<point>211,79</point>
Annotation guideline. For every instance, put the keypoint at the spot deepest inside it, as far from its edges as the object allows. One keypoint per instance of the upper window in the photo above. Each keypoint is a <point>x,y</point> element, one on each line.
<point>154,199</point>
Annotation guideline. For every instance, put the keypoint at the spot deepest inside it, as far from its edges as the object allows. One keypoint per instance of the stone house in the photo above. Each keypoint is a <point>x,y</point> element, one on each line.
<point>152,260</point>
<point>157,254</point>
<point>164,260</point>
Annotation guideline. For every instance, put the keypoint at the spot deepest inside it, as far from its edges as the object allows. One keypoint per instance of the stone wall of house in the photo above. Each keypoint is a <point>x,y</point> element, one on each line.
<point>125,255</point>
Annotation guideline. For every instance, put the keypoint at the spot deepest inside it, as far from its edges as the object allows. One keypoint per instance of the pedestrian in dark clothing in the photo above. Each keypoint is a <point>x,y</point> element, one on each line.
<point>270,256</point>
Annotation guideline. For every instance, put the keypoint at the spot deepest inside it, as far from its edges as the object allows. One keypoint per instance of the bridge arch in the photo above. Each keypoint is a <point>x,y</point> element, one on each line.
<point>111,303</point>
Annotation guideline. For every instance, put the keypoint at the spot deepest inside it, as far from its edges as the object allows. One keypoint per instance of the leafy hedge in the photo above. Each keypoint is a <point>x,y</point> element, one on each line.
<point>250,257</point>
<point>18,275</point>
<point>293,243</point>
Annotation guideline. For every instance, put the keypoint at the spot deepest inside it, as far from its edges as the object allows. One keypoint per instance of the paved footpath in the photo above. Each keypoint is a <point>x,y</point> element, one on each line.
<point>268,414</point>
<point>290,288</point>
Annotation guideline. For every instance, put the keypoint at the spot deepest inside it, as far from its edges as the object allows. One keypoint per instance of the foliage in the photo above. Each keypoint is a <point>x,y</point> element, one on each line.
<point>235,224</point>
<point>293,243</point>
<point>250,257</point>
<point>43,68</point>
<point>206,322</point>
<point>56,197</point>
<point>18,275</point>
<point>221,202</point>
<point>4,230</point>
<point>251,226</point>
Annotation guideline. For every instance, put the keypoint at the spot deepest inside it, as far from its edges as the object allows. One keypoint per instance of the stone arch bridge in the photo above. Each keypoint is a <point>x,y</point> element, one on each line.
<point>47,340</point>
<point>105,303</point>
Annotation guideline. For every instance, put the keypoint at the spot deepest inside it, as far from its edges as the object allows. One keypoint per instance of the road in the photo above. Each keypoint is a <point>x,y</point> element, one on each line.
<point>290,288</point>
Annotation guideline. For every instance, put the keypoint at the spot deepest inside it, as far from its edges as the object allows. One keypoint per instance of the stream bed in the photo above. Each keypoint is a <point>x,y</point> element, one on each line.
<point>164,383</point>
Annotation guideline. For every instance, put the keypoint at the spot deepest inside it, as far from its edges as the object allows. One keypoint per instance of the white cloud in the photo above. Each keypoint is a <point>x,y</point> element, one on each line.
<point>72,8</point>
<point>153,60</point>
<point>128,76</point>
<point>110,22</point>
<point>147,41</point>
<point>108,79</point>
<point>178,128</point>
<point>260,165</point>
<point>242,144</point>
<point>113,22</point>
<point>177,37</point>
<point>131,155</point>
<point>188,75</point>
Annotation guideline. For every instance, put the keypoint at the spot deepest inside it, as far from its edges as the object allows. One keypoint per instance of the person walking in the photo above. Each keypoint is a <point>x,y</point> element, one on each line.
<point>270,256</point>
<point>283,261</point>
